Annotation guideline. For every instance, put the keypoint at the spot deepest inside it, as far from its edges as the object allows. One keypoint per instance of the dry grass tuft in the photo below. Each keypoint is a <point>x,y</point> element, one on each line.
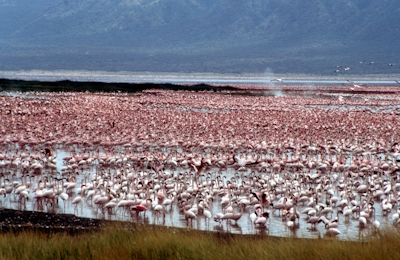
<point>146,242</point>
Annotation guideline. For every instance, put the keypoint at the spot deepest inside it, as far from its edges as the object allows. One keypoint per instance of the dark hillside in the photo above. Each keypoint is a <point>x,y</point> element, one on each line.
<point>223,36</point>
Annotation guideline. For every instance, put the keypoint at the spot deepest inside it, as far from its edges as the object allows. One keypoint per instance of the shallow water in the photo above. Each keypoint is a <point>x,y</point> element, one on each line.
<point>266,79</point>
<point>276,225</point>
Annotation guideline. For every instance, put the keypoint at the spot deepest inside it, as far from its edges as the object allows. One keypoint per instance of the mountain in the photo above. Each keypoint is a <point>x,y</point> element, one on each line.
<point>223,36</point>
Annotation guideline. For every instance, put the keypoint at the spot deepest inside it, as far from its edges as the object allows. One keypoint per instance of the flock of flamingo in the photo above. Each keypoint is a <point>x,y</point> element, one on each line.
<point>315,162</point>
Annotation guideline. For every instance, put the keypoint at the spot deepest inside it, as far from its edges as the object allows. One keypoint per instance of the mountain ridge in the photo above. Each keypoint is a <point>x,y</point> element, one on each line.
<point>200,36</point>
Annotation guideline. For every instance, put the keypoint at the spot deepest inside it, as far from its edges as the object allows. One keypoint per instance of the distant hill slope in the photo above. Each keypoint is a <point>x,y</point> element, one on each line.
<point>225,36</point>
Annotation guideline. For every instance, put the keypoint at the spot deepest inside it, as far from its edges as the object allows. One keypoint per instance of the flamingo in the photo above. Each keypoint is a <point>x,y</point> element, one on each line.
<point>237,216</point>
<point>189,215</point>
<point>332,231</point>
<point>77,200</point>
<point>261,221</point>
<point>139,208</point>
<point>335,157</point>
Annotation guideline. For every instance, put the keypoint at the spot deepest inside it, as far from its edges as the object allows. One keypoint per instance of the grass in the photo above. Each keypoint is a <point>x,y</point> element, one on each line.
<point>146,242</point>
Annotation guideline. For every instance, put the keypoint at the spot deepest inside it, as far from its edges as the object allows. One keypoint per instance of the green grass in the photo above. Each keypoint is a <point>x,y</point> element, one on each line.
<point>148,242</point>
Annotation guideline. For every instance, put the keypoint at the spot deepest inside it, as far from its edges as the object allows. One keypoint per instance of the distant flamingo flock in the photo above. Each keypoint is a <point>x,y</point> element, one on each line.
<point>327,159</point>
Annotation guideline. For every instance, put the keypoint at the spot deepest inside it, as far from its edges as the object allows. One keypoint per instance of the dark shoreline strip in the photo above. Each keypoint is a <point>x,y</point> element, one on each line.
<point>109,87</point>
<point>67,85</point>
<point>17,221</point>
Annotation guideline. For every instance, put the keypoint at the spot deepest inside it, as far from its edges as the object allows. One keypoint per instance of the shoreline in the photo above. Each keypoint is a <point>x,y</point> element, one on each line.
<point>12,85</point>
<point>196,78</point>
<point>13,220</point>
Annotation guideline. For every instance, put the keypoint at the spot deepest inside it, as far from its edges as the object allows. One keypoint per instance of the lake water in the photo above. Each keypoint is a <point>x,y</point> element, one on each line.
<point>276,224</point>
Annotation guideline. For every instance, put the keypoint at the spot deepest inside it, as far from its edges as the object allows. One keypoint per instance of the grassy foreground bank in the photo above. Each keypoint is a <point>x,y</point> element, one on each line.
<point>161,243</point>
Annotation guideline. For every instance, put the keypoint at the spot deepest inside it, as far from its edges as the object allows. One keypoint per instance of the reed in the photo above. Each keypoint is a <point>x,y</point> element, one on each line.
<point>148,242</point>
